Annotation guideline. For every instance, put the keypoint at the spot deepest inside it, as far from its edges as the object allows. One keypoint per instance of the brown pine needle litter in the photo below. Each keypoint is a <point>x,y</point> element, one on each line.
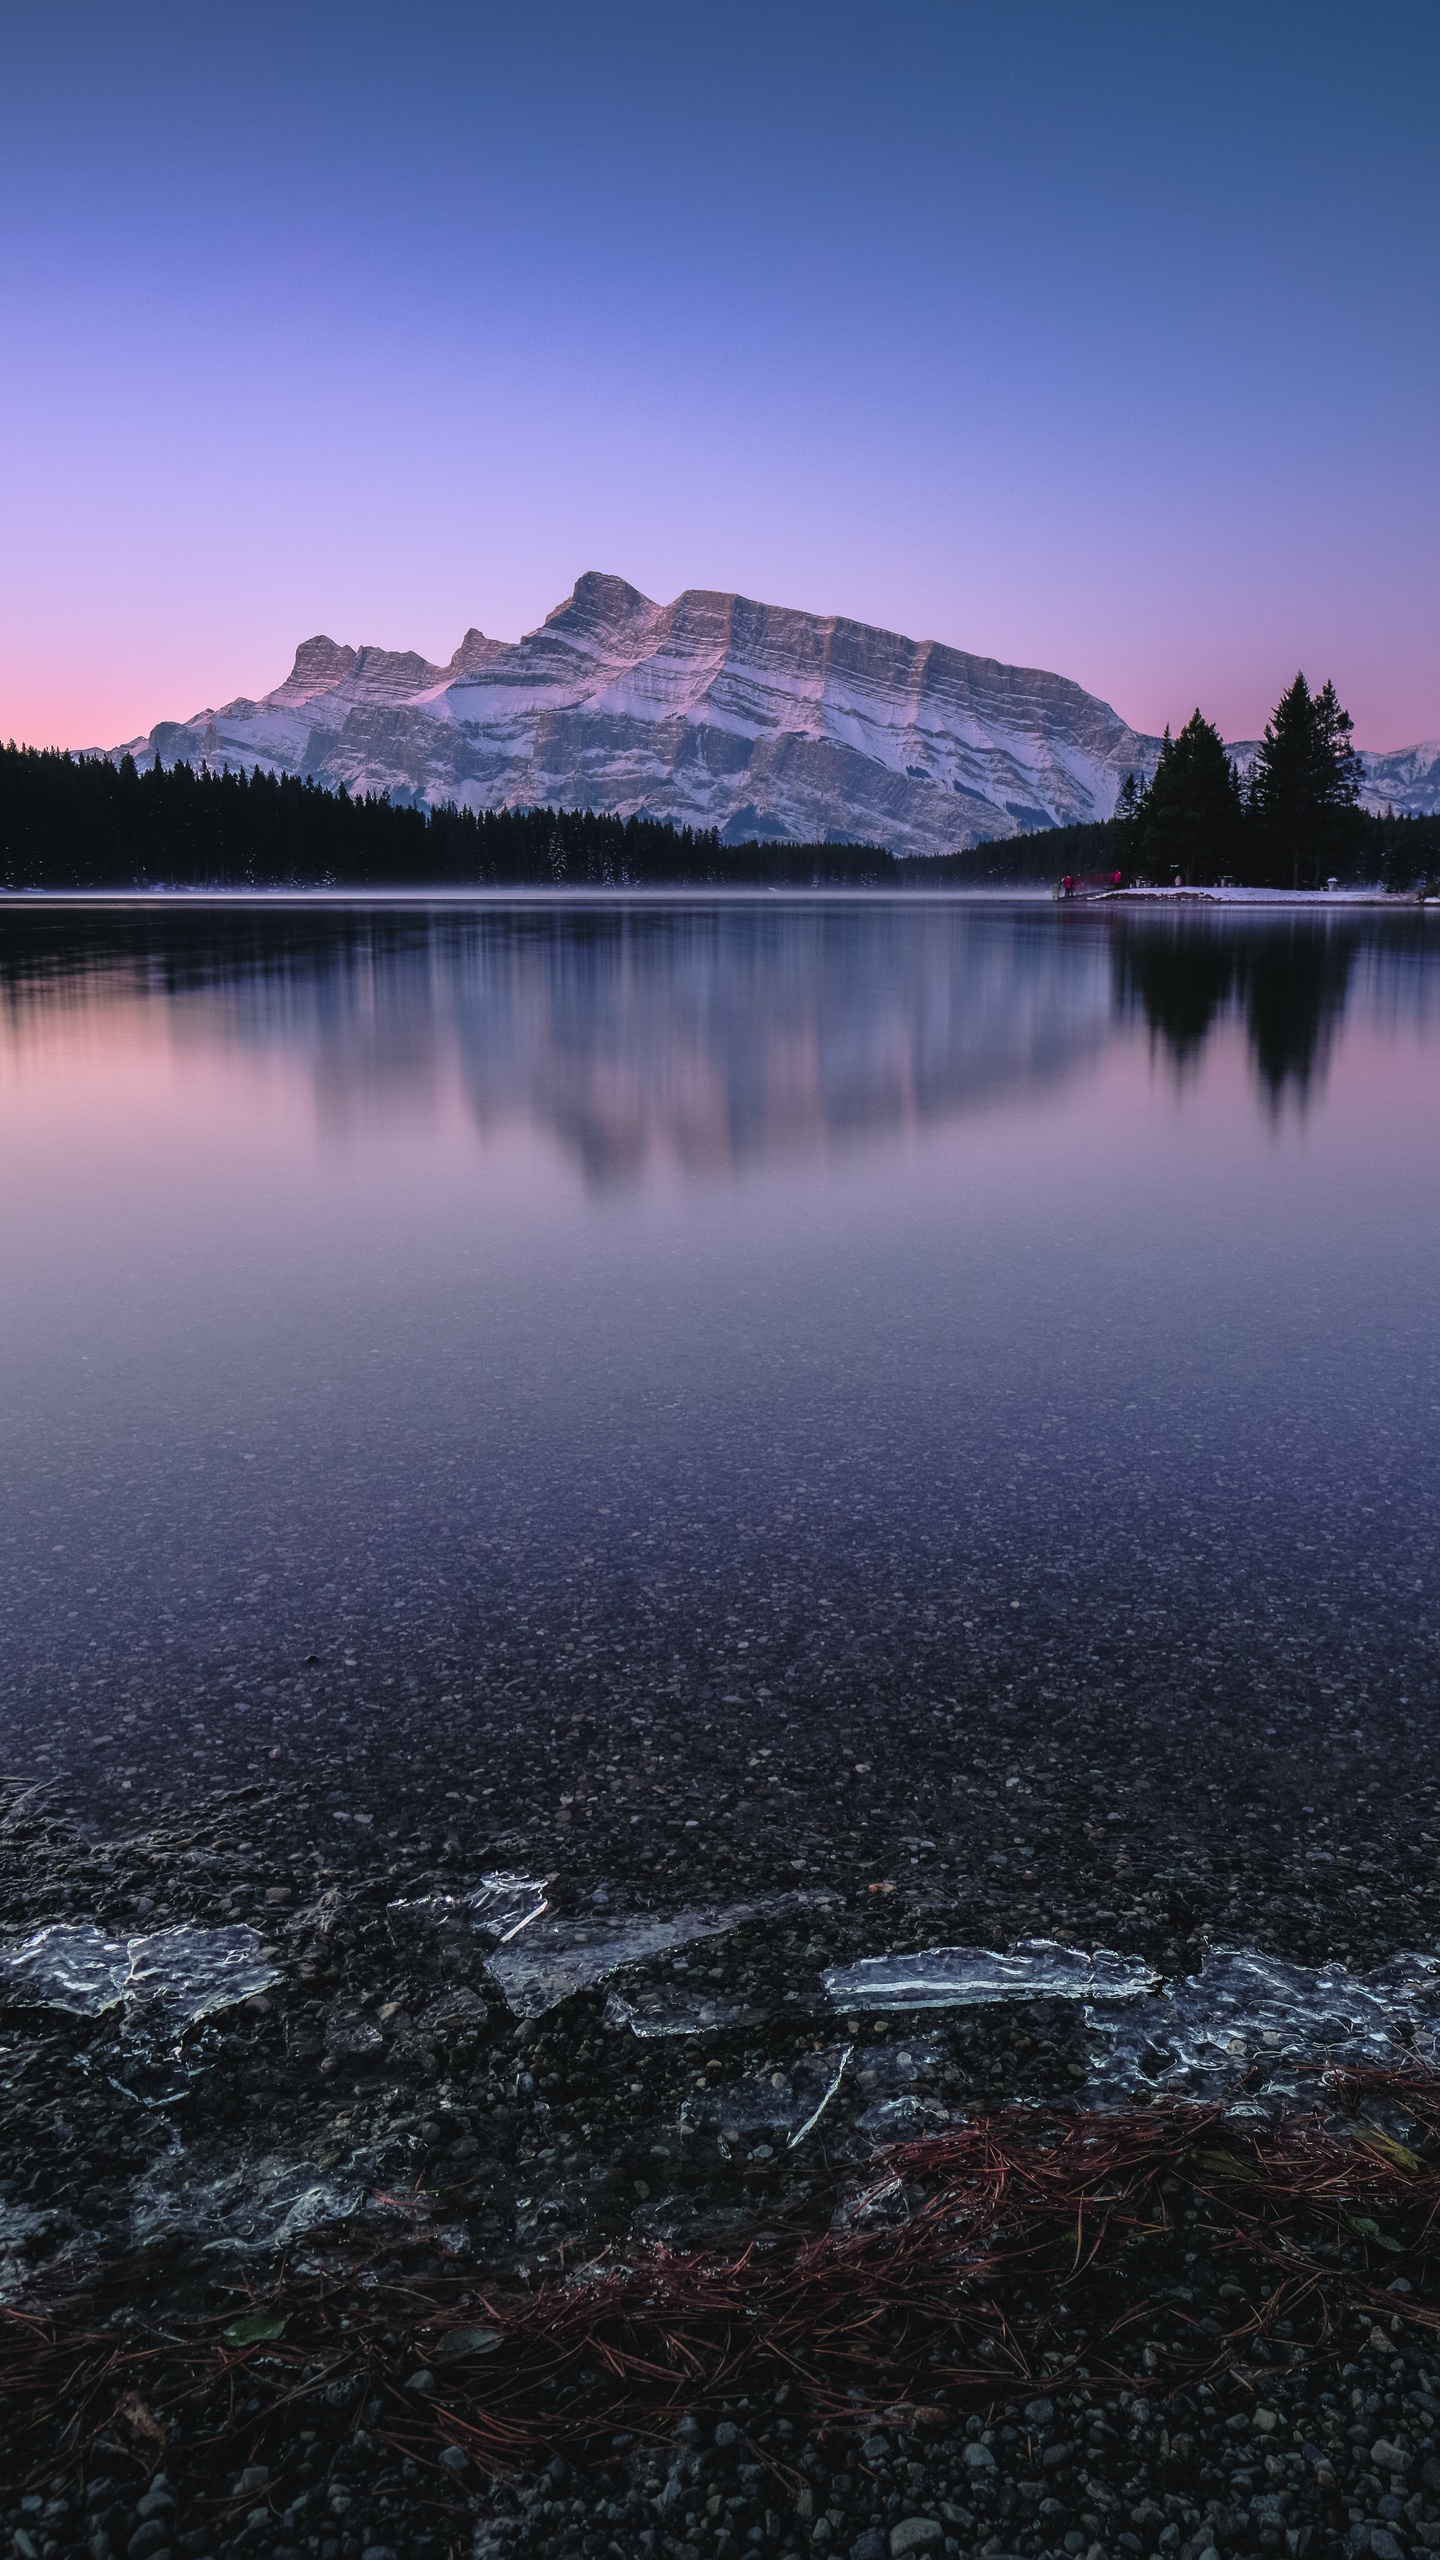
<point>1032,2247</point>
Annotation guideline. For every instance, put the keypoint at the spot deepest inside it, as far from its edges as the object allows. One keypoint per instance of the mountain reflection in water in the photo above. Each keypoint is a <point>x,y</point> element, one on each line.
<point>712,1036</point>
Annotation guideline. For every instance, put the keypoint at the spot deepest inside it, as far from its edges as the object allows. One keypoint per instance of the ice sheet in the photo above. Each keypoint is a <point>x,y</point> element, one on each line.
<point>558,1957</point>
<point>789,2101</point>
<point>974,1977</point>
<point>167,1980</point>
<point>667,2011</point>
<point>78,1970</point>
<point>263,2203</point>
<point>1253,2019</point>
<point>499,1908</point>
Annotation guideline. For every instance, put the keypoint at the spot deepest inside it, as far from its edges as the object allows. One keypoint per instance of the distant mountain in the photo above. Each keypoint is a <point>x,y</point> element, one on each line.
<point>709,712</point>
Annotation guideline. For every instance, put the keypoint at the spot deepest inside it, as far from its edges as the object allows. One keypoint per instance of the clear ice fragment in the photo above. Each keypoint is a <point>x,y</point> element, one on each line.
<point>974,1977</point>
<point>169,1979</point>
<point>499,1908</point>
<point>1252,2019</point>
<point>667,2012</point>
<point>78,1970</point>
<point>558,1957</point>
<point>789,2101</point>
<point>179,1976</point>
<point>903,2119</point>
<point>254,2204</point>
<point>503,1905</point>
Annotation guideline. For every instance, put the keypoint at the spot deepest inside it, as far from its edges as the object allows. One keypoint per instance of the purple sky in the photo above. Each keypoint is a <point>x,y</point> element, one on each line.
<point>1104,339</point>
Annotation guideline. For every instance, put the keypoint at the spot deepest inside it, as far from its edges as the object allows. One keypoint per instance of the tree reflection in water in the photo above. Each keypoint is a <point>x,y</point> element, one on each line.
<point>1288,978</point>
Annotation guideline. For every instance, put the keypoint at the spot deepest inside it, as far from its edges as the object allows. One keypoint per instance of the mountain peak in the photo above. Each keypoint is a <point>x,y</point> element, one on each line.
<point>319,663</point>
<point>475,652</point>
<point>599,598</point>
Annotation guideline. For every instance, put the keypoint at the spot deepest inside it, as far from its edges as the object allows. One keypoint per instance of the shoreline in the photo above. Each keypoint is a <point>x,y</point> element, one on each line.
<point>418,2153</point>
<point>1328,899</point>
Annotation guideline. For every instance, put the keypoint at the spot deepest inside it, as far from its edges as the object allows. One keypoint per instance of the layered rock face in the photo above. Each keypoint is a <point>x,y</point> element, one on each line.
<point>712,711</point>
<point>709,712</point>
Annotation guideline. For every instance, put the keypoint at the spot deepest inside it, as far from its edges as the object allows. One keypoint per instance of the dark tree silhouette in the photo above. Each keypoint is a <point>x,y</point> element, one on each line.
<point>1304,788</point>
<point>1191,817</point>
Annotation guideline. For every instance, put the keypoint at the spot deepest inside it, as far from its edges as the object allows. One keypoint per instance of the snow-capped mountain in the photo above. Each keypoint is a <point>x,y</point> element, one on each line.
<point>712,711</point>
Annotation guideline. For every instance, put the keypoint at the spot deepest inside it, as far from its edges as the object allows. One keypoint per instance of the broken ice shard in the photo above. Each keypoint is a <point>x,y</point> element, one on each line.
<point>499,1908</point>
<point>78,1970</point>
<point>790,2100</point>
<point>244,2205</point>
<point>171,1978</point>
<point>666,2012</point>
<point>557,1957</point>
<point>974,1977</point>
<point>1253,2019</point>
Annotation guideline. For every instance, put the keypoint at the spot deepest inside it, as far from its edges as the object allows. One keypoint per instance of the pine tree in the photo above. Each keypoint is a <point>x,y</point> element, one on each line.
<point>1334,729</point>
<point>1192,812</point>
<point>1305,785</point>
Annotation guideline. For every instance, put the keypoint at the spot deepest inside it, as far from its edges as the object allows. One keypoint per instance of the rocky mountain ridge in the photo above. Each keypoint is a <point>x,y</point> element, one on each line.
<point>711,711</point>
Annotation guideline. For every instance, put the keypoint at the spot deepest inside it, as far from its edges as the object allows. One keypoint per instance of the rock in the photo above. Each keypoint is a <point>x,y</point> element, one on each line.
<point>1039,2413</point>
<point>255,2478</point>
<point>151,2536</point>
<point>914,2533</point>
<point>728,2434</point>
<point>869,2545</point>
<point>1388,2457</point>
<point>455,2459</point>
<point>978,2458</point>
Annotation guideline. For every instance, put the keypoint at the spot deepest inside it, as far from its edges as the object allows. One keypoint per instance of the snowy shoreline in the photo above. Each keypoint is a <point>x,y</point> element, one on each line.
<point>1233,897</point>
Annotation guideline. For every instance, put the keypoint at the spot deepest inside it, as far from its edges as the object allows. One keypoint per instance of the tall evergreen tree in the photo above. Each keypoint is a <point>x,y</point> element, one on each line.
<point>1192,811</point>
<point>1305,785</point>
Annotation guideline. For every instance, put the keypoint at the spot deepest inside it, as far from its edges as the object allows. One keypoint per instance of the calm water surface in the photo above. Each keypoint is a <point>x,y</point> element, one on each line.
<point>425,1327</point>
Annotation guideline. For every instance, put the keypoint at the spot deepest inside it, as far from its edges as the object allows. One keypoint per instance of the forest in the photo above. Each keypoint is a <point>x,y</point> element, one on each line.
<point>71,822</point>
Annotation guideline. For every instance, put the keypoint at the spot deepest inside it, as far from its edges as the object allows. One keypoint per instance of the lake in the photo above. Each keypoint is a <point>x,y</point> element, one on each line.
<point>987,1347</point>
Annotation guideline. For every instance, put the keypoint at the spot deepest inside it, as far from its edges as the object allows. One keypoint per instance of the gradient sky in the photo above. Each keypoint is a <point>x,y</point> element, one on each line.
<point>1099,338</point>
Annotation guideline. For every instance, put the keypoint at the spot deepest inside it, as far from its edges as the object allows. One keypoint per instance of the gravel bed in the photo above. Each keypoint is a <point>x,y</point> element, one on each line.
<point>1286,2459</point>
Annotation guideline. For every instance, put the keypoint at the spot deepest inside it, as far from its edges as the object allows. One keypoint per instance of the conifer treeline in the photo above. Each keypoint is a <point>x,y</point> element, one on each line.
<point>71,822</point>
<point>1294,824</point>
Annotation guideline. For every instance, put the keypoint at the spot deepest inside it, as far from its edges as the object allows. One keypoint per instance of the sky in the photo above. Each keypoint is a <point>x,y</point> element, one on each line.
<point>1099,338</point>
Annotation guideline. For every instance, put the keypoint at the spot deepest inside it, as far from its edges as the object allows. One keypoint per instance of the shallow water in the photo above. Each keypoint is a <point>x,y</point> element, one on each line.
<point>883,1335</point>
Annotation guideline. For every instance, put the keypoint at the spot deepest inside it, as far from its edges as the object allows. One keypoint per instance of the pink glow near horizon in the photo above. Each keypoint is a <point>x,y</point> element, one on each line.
<point>993,334</point>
